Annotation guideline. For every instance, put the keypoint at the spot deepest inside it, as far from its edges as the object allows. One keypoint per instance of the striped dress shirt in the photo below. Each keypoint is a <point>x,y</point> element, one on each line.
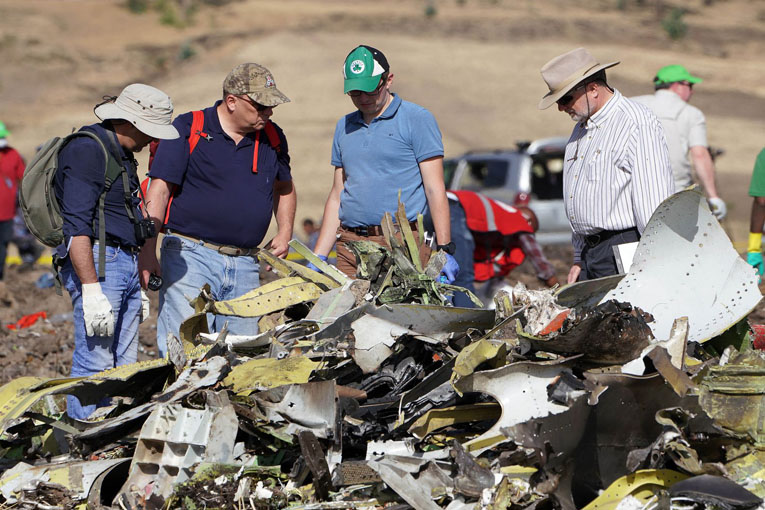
<point>616,171</point>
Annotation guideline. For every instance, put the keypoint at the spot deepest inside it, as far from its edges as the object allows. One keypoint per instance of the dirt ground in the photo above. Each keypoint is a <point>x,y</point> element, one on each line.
<point>473,63</point>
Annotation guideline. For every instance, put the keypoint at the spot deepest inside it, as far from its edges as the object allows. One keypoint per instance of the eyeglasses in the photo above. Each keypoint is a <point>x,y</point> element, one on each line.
<point>259,107</point>
<point>687,83</point>
<point>357,93</point>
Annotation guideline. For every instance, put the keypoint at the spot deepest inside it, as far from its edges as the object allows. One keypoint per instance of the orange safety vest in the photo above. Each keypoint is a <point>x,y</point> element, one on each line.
<point>197,126</point>
<point>492,222</point>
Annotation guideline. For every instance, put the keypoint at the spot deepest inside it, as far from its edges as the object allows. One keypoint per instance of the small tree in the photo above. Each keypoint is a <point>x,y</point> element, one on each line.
<point>674,25</point>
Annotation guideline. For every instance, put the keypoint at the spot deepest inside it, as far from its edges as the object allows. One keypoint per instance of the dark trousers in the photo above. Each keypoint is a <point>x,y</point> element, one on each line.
<point>6,234</point>
<point>598,255</point>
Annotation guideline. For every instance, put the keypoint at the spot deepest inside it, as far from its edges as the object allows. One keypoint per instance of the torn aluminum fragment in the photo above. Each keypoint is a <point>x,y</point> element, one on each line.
<point>404,485</point>
<point>642,485</point>
<point>734,395</point>
<point>174,439</point>
<point>521,390</point>
<point>268,298</point>
<point>197,376</point>
<point>310,406</point>
<point>262,373</point>
<point>77,476</point>
<point>685,265</point>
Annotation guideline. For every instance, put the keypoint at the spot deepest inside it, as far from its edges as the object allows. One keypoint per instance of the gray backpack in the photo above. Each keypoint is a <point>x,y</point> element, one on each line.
<point>37,197</point>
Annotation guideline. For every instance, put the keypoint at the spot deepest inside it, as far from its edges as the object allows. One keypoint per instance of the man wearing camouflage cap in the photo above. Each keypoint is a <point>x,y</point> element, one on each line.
<point>223,179</point>
<point>686,131</point>
<point>386,149</point>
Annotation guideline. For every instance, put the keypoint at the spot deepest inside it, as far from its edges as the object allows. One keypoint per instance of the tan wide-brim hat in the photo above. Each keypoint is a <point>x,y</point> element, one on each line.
<point>566,71</point>
<point>147,108</point>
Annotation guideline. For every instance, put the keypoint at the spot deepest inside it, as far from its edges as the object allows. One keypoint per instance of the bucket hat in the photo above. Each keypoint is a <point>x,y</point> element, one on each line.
<point>566,71</point>
<point>256,82</point>
<point>674,73</point>
<point>147,108</point>
<point>362,69</point>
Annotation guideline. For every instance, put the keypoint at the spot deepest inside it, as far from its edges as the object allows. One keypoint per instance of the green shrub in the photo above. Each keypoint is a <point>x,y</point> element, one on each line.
<point>674,25</point>
<point>137,6</point>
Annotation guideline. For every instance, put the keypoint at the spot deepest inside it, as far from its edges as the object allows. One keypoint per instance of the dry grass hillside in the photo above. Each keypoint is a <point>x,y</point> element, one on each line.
<point>473,63</point>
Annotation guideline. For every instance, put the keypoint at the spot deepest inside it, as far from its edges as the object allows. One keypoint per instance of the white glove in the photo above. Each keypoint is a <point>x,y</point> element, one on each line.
<point>97,311</point>
<point>145,306</point>
<point>717,207</point>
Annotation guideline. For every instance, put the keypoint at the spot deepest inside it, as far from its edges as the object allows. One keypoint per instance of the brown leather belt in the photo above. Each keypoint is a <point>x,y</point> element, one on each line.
<point>231,251</point>
<point>373,230</point>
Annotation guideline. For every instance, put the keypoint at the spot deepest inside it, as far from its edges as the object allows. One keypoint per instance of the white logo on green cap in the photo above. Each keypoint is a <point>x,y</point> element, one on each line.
<point>357,67</point>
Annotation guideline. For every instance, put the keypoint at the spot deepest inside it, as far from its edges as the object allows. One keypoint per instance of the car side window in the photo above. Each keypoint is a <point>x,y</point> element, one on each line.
<point>484,174</point>
<point>547,176</point>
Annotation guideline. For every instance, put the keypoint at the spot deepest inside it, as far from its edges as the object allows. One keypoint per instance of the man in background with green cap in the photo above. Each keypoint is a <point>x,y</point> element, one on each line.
<point>686,131</point>
<point>11,172</point>
<point>385,148</point>
<point>227,175</point>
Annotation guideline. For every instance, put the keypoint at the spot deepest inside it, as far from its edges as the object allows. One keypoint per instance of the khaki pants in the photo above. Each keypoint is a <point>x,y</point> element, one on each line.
<point>346,260</point>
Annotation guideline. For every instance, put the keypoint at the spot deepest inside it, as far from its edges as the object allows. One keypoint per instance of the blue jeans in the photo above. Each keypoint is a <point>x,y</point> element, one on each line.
<point>186,267</point>
<point>6,234</point>
<point>465,244</point>
<point>93,354</point>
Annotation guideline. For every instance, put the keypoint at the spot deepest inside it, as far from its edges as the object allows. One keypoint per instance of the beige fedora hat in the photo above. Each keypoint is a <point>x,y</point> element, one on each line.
<point>147,108</point>
<point>564,72</point>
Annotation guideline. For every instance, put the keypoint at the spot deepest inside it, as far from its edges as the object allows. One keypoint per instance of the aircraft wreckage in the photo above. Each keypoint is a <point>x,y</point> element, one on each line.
<point>638,391</point>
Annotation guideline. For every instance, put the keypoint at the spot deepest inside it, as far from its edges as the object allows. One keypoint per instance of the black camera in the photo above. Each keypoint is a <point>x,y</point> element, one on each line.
<point>144,229</point>
<point>155,282</point>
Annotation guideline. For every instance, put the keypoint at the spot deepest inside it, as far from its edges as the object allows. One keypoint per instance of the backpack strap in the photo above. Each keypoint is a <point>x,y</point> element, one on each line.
<point>196,132</point>
<point>112,171</point>
<point>197,125</point>
<point>273,140</point>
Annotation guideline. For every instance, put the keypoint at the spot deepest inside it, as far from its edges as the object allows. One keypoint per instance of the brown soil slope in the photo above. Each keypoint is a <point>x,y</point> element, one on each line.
<point>474,64</point>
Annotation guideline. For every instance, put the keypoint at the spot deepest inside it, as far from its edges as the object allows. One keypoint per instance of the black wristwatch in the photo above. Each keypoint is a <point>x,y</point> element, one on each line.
<point>449,247</point>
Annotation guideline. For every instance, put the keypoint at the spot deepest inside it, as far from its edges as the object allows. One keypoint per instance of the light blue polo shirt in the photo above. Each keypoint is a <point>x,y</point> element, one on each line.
<point>382,158</point>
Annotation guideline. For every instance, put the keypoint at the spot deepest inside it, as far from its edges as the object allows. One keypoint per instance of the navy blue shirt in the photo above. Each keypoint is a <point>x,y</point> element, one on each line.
<point>220,199</point>
<point>79,183</point>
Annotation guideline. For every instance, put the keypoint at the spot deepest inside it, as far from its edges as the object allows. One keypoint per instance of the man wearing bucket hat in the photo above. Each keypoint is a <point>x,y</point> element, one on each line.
<point>11,172</point>
<point>616,169</point>
<point>107,311</point>
<point>686,131</point>
<point>224,178</point>
<point>385,148</point>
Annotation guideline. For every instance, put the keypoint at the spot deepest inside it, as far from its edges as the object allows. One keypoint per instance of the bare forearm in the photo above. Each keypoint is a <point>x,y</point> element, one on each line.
<point>432,171</point>
<point>705,170</point>
<point>329,224</point>
<point>285,204</point>
<point>81,255</point>
<point>757,219</point>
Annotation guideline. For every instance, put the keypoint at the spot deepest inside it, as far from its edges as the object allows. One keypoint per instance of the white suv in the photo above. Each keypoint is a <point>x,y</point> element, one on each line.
<point>531,175</point>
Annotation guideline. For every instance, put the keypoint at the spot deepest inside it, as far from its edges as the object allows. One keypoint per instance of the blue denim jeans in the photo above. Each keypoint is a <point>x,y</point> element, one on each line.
<point>6,234</point>
<point>93,354</point>
<point>465,244</point>
<point>186,267</point>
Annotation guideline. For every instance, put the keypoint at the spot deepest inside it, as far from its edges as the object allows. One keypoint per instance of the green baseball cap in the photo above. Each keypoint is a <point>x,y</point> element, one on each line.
<point>674,73</point>
<point>3,131</point>
<point>363,68</point>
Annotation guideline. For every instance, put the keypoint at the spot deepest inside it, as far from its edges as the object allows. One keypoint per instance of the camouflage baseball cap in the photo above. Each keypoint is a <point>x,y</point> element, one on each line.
<point>255,81</point>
